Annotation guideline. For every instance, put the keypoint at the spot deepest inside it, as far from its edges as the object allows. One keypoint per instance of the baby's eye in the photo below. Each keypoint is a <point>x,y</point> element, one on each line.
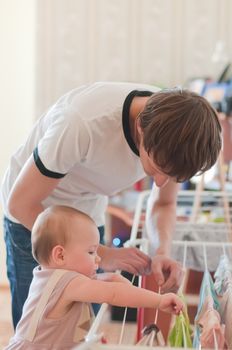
<point>91,253</point>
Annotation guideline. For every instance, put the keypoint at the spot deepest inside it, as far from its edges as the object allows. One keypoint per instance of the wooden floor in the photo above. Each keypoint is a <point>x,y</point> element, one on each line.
<point>111,329</point>
<point>6,329</point>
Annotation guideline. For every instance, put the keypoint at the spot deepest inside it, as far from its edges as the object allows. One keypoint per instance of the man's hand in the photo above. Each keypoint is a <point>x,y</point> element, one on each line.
<point>131,260</point>
<point>168,273</point>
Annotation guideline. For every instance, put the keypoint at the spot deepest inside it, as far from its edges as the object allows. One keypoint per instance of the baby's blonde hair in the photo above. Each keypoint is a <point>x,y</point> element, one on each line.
<point>53,227</point>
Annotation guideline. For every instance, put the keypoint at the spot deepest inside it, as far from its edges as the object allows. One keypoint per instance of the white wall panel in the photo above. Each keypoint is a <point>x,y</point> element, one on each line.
<point>163,42</point>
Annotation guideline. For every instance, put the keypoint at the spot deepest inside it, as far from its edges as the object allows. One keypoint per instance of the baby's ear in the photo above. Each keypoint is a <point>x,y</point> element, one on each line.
<point>58,255</point>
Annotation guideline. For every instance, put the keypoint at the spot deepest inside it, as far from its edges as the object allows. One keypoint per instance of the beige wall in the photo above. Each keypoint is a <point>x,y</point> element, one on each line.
<point>162,42</point>
<point>17,83</point>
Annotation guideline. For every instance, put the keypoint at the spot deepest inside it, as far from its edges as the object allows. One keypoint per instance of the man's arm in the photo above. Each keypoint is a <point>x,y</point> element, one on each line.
<point>162,214</point>
<point>29,190</point>
<point>25,204</point>
<point>162,219</point>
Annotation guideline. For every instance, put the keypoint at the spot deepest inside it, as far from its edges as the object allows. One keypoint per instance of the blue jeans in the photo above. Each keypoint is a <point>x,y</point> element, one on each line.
<point>20,264</point>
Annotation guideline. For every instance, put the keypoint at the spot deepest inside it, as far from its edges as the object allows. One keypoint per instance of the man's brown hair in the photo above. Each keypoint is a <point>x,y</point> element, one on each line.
<point>181,132</point>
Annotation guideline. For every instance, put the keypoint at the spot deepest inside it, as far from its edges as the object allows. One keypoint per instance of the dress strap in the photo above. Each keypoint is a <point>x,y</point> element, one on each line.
<point>53,280</point>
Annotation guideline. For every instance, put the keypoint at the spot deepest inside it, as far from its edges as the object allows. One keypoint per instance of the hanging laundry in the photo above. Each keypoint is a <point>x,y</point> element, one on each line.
<point>181,333</point>
<point>223,275</point>
<point>199,232</point>
<point>208,329</point>
<point>226,315</point>
<point>223,287</point>
<point>211,330</point>
<point>152,336</point>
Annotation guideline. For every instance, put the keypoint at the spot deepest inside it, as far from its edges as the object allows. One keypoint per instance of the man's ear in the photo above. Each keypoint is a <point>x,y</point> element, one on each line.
<point>138,132</point>
<point>138,127</point>
<point>58,255</point>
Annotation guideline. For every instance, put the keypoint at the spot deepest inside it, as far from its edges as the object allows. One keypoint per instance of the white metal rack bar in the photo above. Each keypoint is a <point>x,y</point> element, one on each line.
<point>202,243</point>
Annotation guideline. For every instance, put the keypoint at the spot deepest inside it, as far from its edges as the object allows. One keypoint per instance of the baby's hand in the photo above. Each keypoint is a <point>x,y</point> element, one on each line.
<point>171,303</point>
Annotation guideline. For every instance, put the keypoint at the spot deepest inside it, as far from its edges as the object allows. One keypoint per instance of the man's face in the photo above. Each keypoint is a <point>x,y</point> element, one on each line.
<point>151,168</point>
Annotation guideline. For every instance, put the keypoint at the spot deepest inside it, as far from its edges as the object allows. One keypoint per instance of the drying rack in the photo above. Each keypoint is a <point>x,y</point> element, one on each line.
<point>190,216</point>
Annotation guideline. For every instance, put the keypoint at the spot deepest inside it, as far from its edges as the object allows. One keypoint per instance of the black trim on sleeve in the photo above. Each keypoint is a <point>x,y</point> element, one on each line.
<point>125,117</point>
<point>42,168</point>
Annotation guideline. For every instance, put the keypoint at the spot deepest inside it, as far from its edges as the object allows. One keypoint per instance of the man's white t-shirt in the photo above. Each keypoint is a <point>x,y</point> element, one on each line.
<point>84,139</point>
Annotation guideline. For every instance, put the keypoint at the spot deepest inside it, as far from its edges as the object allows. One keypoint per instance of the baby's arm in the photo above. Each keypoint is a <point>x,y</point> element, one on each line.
<point>85,289</point>
<point>111,277</point>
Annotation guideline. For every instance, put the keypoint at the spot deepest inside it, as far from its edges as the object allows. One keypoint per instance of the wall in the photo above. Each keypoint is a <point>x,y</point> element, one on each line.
<point>17,84</point>
<point>162,42</point>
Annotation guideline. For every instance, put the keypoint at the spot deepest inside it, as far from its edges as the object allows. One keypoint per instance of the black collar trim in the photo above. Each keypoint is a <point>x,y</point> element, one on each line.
<point>125,117</point>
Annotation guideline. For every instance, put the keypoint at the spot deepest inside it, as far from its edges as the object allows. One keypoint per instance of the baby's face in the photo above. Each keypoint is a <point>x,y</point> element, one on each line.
<point>81,251</point>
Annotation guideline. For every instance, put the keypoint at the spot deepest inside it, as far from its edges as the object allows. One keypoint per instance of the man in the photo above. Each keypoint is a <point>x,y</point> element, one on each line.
<point>94,142</point>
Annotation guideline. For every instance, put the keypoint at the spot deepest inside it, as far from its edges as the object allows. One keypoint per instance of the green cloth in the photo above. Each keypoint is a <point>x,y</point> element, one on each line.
<point>176,336</point>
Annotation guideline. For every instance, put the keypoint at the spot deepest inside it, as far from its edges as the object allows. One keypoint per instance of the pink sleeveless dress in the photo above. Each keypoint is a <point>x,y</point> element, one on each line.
<point>35,330</point>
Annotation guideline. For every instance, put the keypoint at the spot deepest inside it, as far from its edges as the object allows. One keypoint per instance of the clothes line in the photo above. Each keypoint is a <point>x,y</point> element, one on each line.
<point>202,243</point>
<point>97,346</point>
<point>144,242</point>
